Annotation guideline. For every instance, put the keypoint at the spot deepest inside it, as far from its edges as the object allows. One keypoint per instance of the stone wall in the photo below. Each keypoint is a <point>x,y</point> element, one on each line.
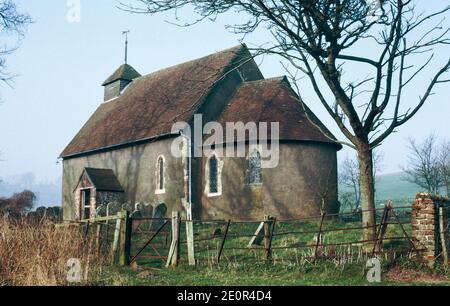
<point>425,224</point>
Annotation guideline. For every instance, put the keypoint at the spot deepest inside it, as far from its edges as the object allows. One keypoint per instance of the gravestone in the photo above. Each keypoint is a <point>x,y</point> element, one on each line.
<point>158,213</point>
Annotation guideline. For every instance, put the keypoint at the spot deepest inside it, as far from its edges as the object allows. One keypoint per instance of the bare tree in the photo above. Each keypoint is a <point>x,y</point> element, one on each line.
<point>349,176</point>
<point>444,165</point>
<point>320,39</point>
<point>423,164</point>
<point>12,22</point>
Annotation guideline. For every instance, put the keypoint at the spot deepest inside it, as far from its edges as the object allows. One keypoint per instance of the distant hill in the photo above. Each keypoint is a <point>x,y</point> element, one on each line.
<point>393,187</point>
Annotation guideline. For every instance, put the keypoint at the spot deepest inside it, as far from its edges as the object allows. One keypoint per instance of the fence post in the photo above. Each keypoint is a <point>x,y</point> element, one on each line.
<point>125,239</point>
<point>86,232</point>
<point>97,238</point>
<point>268,236</point>
<point>319,237</point>
<point>442,235</point>
<point>116,236</point>
<point>174,252</point>
<point>190,241</point>
<point>256,237</point>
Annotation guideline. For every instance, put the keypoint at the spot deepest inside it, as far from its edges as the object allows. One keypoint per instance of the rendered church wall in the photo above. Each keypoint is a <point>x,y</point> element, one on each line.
<point>135,169</point>
<point>306,175</point>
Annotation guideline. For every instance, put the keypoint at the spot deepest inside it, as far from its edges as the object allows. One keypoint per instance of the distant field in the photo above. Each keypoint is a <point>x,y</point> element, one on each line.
<point>394,187</point>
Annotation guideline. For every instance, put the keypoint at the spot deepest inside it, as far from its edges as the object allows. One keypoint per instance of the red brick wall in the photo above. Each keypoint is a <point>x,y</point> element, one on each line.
<point>425,224</point>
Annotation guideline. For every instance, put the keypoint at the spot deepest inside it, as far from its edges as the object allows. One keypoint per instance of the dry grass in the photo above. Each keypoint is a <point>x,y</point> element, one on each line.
<point>37,254</point>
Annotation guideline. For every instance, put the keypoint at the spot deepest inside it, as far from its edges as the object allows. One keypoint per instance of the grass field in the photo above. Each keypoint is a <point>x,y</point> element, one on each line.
<point>400,272</point>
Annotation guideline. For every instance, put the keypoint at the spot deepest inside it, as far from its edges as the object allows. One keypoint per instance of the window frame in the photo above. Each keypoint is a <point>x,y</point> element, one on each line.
<point>251,168</point>
<point>208,177</point>
<point>160,175</point>
<point>83,206</point>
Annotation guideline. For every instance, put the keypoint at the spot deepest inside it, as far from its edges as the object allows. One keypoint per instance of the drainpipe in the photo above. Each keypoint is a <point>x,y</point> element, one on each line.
<point>189,222</point>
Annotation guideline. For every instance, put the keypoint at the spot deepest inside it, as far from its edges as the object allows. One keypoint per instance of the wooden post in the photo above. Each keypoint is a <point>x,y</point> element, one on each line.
<point>106,240</point>
<point>255,237</point>
<point>222,244</point>
<point>125,240</point>
<point>442,235</point>
<point>86,232</point>
<point>319,237</point>
<point>272,231</point>
<point>174,252</point>
<point>267,236</point>
<point>190,240</point>
<point>116,236</point>
<point>97,237</point>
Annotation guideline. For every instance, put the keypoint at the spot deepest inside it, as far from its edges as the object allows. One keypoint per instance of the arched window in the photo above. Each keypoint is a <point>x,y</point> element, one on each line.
<point>161,181</point>
<point>254,168</point>
<point>213,175</point>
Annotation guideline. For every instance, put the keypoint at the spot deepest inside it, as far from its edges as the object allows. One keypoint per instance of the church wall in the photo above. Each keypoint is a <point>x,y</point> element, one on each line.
<point>211,110</point>
<point>135,168</point>
<point>306,175</point>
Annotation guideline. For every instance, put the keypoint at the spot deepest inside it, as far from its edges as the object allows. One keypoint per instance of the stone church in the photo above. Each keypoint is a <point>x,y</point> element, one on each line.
<point>123,152</point>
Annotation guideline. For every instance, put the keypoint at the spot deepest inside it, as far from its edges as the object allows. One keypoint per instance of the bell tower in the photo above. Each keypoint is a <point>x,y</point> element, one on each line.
<point>124,75</point>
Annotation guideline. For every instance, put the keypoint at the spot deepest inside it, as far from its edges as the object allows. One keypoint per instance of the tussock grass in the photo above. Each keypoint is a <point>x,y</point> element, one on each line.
<point>37,254</point>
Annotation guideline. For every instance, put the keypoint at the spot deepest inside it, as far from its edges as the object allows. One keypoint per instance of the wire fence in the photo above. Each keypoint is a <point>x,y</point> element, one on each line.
<point>339,237</point>
<point>320,237</point>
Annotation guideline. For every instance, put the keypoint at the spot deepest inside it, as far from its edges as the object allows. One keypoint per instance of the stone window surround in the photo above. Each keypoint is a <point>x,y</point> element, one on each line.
<point>219,176</point>
<point>157,174</point>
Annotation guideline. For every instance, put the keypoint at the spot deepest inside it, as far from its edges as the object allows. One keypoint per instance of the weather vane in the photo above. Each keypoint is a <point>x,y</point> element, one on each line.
<point>126,45</point>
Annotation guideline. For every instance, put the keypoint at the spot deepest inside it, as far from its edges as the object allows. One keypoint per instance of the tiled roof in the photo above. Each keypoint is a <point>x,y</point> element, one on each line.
<point>273,100</point>
<point>151,104</point>
<point>104,179</point>
<point>124,72</point>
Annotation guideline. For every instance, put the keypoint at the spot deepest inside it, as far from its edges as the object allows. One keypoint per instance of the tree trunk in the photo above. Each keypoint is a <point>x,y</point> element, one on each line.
<point>367,199</point>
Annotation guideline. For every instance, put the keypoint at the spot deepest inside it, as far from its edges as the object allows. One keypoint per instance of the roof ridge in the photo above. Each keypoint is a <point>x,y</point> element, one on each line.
<point>237,47</point>
<point>271,79</point>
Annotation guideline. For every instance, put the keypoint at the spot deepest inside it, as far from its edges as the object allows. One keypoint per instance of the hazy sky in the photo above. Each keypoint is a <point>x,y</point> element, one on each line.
<point>61,66</point>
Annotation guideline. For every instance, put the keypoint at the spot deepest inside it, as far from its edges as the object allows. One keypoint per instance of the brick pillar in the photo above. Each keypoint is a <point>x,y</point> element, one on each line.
<point>424,226</point>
